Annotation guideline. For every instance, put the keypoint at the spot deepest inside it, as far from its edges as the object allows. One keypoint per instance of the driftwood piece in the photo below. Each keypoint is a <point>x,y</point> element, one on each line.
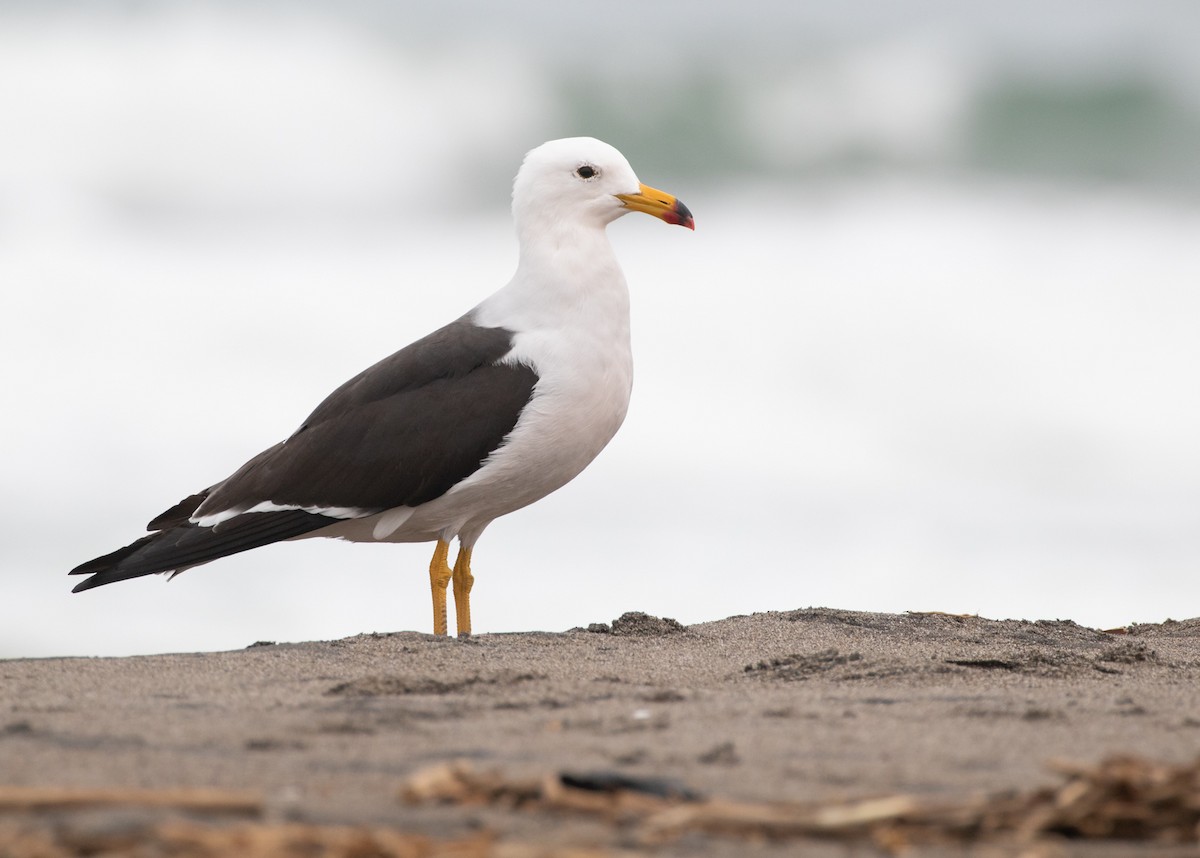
<point>1122,798</point>
<point>35,799</point>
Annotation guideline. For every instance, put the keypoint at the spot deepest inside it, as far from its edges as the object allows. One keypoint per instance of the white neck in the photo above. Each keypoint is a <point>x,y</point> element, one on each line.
<point>566,277</point>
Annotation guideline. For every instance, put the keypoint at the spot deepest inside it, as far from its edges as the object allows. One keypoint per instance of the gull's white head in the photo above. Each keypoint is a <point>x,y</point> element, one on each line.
<point>581,180</point>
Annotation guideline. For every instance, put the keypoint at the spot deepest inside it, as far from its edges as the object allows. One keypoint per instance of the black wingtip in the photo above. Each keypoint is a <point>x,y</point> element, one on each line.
<point>106,562</point>
<point>184,547</point>
<point>105,570</point>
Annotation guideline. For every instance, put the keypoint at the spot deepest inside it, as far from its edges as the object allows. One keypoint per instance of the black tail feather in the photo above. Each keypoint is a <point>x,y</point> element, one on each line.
<point>190,545</point>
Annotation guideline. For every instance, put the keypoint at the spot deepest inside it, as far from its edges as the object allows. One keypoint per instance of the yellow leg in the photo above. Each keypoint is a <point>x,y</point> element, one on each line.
<point>463,579</point>
<point>439,577</point>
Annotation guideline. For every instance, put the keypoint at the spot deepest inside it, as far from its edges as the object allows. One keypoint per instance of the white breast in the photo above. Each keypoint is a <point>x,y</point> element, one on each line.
<point>579,402</point>
<point>573,330</point>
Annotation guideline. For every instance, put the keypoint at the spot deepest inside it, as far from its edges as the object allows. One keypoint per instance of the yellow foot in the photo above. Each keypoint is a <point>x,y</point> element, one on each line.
<point>463,580</point>
<point>439,577</point>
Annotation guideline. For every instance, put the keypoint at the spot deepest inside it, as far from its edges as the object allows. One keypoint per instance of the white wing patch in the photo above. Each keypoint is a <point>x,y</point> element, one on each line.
<point>343,512</point>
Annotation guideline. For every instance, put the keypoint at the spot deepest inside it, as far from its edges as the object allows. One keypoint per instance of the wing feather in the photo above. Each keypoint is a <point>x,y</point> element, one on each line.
<point>401,433</point>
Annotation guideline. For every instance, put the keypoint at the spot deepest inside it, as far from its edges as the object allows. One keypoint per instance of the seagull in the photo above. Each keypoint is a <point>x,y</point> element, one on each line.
<point>480,418</point>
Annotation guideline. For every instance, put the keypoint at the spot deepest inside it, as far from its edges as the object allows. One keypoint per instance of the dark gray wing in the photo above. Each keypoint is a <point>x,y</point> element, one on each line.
<point>398,434</point>
<point>401,433</point>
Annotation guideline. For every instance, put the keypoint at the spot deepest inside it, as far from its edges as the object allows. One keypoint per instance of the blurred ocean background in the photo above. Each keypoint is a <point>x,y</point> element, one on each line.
<point>934,345</point>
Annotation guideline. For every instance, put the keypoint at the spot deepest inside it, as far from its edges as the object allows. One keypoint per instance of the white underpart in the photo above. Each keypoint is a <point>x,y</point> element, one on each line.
<point>389,522</point>
<point>568,306</point>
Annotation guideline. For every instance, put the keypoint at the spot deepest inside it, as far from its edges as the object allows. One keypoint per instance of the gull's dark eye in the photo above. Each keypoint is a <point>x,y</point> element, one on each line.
<point>587,171</point>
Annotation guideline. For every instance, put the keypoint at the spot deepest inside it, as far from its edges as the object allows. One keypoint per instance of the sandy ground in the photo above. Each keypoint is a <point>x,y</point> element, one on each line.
<point>812,704</point>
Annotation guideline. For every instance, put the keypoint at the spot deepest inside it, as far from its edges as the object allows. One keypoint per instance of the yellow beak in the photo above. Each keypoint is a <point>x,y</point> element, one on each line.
<point>660,204</point>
